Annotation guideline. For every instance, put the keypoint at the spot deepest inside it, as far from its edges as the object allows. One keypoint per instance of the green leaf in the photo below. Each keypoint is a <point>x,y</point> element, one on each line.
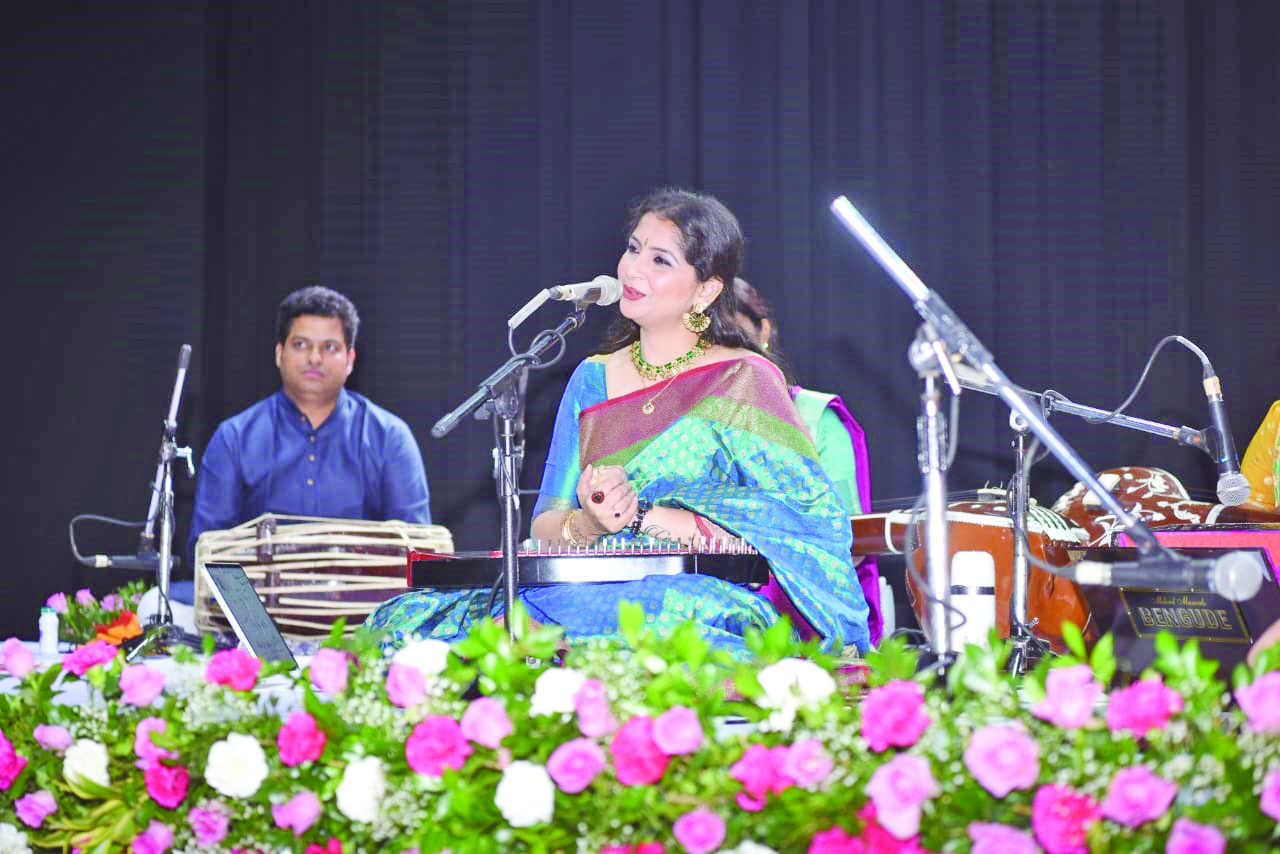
<point>1103,659</point>
<point>1074,640</point>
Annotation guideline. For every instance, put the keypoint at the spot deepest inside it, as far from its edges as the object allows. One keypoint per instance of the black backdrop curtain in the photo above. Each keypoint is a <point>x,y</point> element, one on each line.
<point>1077,178</point>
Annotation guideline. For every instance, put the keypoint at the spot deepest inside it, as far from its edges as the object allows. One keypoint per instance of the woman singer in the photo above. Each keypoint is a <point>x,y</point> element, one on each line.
<point>679,430</point>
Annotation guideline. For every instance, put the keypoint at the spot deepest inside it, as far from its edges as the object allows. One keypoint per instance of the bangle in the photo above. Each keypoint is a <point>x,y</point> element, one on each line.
<point>638,519</point>
<point>567,530</point>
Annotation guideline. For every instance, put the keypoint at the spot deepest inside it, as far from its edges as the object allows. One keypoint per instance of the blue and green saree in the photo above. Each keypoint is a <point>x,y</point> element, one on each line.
<point>724,441</point>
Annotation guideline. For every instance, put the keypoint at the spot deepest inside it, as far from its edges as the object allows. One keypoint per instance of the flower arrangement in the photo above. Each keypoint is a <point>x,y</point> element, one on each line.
<point>664,745</point>
<point>112,619</point>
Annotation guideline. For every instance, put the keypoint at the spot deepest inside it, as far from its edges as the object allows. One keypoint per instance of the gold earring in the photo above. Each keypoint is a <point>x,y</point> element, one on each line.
<point>694,320</point>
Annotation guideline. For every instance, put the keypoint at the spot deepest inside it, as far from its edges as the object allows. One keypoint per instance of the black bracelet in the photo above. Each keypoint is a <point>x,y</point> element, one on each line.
<point>634,527</point>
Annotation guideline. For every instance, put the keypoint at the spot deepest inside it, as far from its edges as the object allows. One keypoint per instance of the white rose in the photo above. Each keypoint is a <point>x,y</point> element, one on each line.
<point>87,760</point>
<point>795,681</point>
<point>748,847</point>
<point>525,795</point>
<point>237,766</point>
<point>427,656</point>
<point>554,690</point>
<point>12,840</point>
<point>362,788</point>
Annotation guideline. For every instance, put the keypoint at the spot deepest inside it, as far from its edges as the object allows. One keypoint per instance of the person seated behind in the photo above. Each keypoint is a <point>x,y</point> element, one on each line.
<point>836,434</point>
<point>679,429</point>
<point>313,448</point>
<point>1261,463</point>
<point>841,442</point>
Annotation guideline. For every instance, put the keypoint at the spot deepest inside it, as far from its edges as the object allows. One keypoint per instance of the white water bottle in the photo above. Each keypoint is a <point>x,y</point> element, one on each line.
<point>973,593</point>
<point>48,631</point>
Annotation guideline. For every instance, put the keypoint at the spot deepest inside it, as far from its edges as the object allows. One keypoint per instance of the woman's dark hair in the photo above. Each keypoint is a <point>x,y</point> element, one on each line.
<point>321,302</point>
<point>712,242</point>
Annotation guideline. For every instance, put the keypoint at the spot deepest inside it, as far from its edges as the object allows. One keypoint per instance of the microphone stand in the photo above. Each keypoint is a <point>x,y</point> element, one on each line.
<point>929,357</point>
<point>1019,493</point>
<point>160,630</point>
<point>502,392</point>
<point>953,336</point>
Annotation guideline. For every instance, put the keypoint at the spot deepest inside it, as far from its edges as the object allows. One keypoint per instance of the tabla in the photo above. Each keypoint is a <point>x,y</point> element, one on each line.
<point>310,571</point>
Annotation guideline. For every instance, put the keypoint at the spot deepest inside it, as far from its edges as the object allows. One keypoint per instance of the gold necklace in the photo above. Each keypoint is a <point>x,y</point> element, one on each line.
<point>684,362</point>
<point>654,373</point>
<point>647,409</point>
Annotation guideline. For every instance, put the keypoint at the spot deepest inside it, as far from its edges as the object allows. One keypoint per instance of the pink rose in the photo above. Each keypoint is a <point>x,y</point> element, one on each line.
<point>57,602</point>
<point>16,658</point>
<point>636,758</point>
<point>1270,801</point>
<point>166,784</point>
<point>1142,707</point>
<point>700,831</point>
<point>112,602</point>
<point>300,740</point>
<point>435,744</point>
<point>1003,758</point>
<point>11,764</point>
<point>52,737</point>
<point>1070,695</point>
<point>595,718</point>
<point>33,809</point>
<point>1061,817</point>
<point>878,840</point>
<point>334,846</point>
<point>209,823</point>
<point>899,789</point>
<point>1136,796</point>
<point>406,686</point>
<point>894,715</point>
<point>84,596</point>
<point>677,731</point>
<point>298,813</point>
<point>485,722</point>
<point>1260,700</point>
<point>87,657</point>
<point>991,838</point>
<point>835,841</point>
<point>1188,837</point>
<point>156,839</point>
<point>760,771</point>
<point>807,762</point>
<point>330,670</point>
<point>574,764</point>
<point>141,684</point>
<point>235,668</point>
<point>144,747</point>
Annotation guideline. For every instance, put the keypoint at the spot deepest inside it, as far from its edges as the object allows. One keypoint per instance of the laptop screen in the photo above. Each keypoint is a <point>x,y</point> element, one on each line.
<point>244,610</point>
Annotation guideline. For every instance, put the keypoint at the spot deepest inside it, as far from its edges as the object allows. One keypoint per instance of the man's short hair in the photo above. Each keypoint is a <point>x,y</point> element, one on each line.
<point>319,301</point>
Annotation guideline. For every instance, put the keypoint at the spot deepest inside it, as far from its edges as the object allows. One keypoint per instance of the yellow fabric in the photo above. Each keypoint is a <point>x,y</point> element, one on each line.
<point>1260,462</point>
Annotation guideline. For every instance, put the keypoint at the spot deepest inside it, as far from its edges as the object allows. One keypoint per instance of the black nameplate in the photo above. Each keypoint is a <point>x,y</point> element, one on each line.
<point>1187,616</point>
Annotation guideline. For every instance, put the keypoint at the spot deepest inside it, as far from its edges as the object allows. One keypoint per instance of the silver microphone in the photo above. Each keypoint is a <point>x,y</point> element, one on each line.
<point>1236,575</point>
<point>602,290</point>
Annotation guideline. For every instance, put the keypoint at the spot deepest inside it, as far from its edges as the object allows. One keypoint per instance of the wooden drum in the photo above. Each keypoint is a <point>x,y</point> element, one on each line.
<point>309,572</point>
<point>983,524</point>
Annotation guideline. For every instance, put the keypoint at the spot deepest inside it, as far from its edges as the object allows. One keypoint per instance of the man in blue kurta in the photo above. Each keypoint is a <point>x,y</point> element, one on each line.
<point>312,448</point>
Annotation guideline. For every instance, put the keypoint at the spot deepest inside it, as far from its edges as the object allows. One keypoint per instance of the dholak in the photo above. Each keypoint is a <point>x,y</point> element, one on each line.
<point>983,524</point>
<point>309,572</point>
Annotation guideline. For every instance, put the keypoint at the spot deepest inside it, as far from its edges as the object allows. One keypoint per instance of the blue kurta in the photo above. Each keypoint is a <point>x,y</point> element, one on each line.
<point>361,463</point>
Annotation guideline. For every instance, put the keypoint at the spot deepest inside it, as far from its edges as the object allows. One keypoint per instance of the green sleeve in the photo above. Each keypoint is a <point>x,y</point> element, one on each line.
<point>835,451</point>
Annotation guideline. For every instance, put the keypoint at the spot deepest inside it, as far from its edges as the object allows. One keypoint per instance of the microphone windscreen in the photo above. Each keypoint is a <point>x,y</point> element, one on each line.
<point>1233,489</point>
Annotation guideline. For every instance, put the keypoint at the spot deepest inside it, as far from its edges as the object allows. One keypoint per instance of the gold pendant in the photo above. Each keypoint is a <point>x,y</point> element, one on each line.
<point>647,409</point>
